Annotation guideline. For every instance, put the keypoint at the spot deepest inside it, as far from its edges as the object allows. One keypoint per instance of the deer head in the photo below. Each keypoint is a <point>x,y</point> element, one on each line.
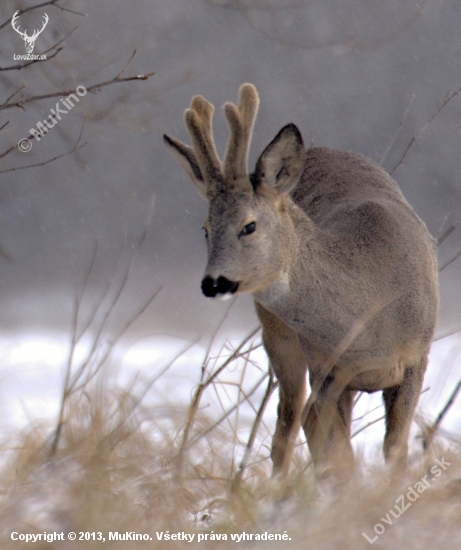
<point>29,40</point>
<point>245,228</point>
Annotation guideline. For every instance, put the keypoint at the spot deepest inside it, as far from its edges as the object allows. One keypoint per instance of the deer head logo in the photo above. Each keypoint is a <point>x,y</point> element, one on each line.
<point>29,40</point>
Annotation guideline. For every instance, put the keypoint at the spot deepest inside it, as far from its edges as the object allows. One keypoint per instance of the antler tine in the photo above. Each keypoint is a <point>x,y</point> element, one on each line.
<point>198,121</point>
<point>248,107</point>
<point>241,121</point>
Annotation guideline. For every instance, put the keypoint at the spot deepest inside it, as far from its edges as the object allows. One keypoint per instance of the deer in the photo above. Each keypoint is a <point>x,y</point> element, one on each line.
<point>342,271</point>
<point>29,41</point>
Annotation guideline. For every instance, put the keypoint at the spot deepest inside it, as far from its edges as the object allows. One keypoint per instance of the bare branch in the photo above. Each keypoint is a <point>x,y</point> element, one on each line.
<point>368,425</point>
<point>446,334</point>
<point>272,384</point>
<point>430,433</point>
<point>8,151</point>
<point>308,42</point>
<point>16,92</point>
<point>402,121</point>
<point>75,148</point>
<point>78,378</point>
<point>20,66</point>
<point>94,88</point>
<point>42,5</point>
<point>441,239</point>
<point>449,262</point>
<point>450,95</point>
<point>8,104</point>
<point>62,8</point>
<point>228,412</point>
<point>193,408</point>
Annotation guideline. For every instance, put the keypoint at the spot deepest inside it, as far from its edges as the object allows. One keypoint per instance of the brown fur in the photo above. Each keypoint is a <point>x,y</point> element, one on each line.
<point>342,271</point>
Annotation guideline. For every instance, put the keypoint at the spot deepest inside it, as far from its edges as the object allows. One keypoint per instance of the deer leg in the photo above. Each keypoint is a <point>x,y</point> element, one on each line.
<point>400,404</point>
<point>289,365</point>
<point>328,426</point>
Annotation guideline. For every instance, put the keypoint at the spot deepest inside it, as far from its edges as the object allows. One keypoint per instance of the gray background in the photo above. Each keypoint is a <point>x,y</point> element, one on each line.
<point>344,71</point>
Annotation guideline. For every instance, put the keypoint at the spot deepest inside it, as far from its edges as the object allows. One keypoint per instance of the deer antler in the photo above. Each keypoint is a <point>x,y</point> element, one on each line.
<point>199,123</point>
<point>201,161</point>
<point>241,121</point>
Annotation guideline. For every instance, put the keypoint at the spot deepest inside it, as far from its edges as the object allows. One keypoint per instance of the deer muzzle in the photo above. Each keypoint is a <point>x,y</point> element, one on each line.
<point>220,287</point>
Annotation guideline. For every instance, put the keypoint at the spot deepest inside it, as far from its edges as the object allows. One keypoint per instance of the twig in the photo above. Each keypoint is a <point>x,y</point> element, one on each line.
<point>367,413</point>
<point>92,364</point>
<point>376,420</point>
<point>212,340</point>
<point>272,384</point>
<point>448,232</point>
<point>111,279</point>
<point>16,92</point>
<point>402,121</point>
<point>62,8</point>
<point>448,98</point>
<point>20,66</point>
<point>234,407</point>
<point>103,324</point>
<point>310,42</point>
<point>141,395</point>
<point>73,344</point>
<point>42,5</point>
<point>446,334</point>
<point>21,102</point>
<point>94,88</point>
<point>430,433</point>
<point>449,262</point>
<point>368,425</point>
<point>8,151</point>
<point>75,148</point>
<point>25,10</point>
<point>201,388</point>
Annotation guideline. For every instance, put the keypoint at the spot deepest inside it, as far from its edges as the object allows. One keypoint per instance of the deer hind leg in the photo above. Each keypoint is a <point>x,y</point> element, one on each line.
<point>290,366</point>
<point>400,404</point>
<point>328,428</point>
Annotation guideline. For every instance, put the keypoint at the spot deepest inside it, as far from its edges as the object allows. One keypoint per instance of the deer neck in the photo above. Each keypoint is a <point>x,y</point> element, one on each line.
<point>308,257</point>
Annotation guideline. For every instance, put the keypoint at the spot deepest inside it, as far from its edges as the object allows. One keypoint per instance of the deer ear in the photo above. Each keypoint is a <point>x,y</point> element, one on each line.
<point>281,163</point>
<point>186,157</point>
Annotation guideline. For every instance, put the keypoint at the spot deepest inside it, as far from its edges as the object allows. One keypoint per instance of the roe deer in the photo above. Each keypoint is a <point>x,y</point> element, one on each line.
<point>342,271</point>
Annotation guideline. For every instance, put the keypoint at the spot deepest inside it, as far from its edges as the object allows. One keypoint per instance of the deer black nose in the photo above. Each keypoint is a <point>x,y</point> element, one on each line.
<point>211,287</point>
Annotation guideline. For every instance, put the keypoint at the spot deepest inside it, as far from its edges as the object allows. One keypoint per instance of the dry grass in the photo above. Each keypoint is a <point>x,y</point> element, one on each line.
<point>122,466</point>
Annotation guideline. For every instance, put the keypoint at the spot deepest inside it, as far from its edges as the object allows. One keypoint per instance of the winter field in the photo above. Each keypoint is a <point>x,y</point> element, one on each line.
<point>134,413</point>
<point>137,441</point>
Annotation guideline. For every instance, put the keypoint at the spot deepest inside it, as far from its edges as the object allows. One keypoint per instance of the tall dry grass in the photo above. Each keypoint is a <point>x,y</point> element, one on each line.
<point>123,466</point>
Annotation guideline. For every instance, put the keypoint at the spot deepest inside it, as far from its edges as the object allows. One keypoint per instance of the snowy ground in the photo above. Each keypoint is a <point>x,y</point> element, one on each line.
<point>33,368</point>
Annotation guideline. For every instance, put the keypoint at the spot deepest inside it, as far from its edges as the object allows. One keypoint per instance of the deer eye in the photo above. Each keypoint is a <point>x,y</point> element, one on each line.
<point>248,229</point>
<point>206,232</point>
